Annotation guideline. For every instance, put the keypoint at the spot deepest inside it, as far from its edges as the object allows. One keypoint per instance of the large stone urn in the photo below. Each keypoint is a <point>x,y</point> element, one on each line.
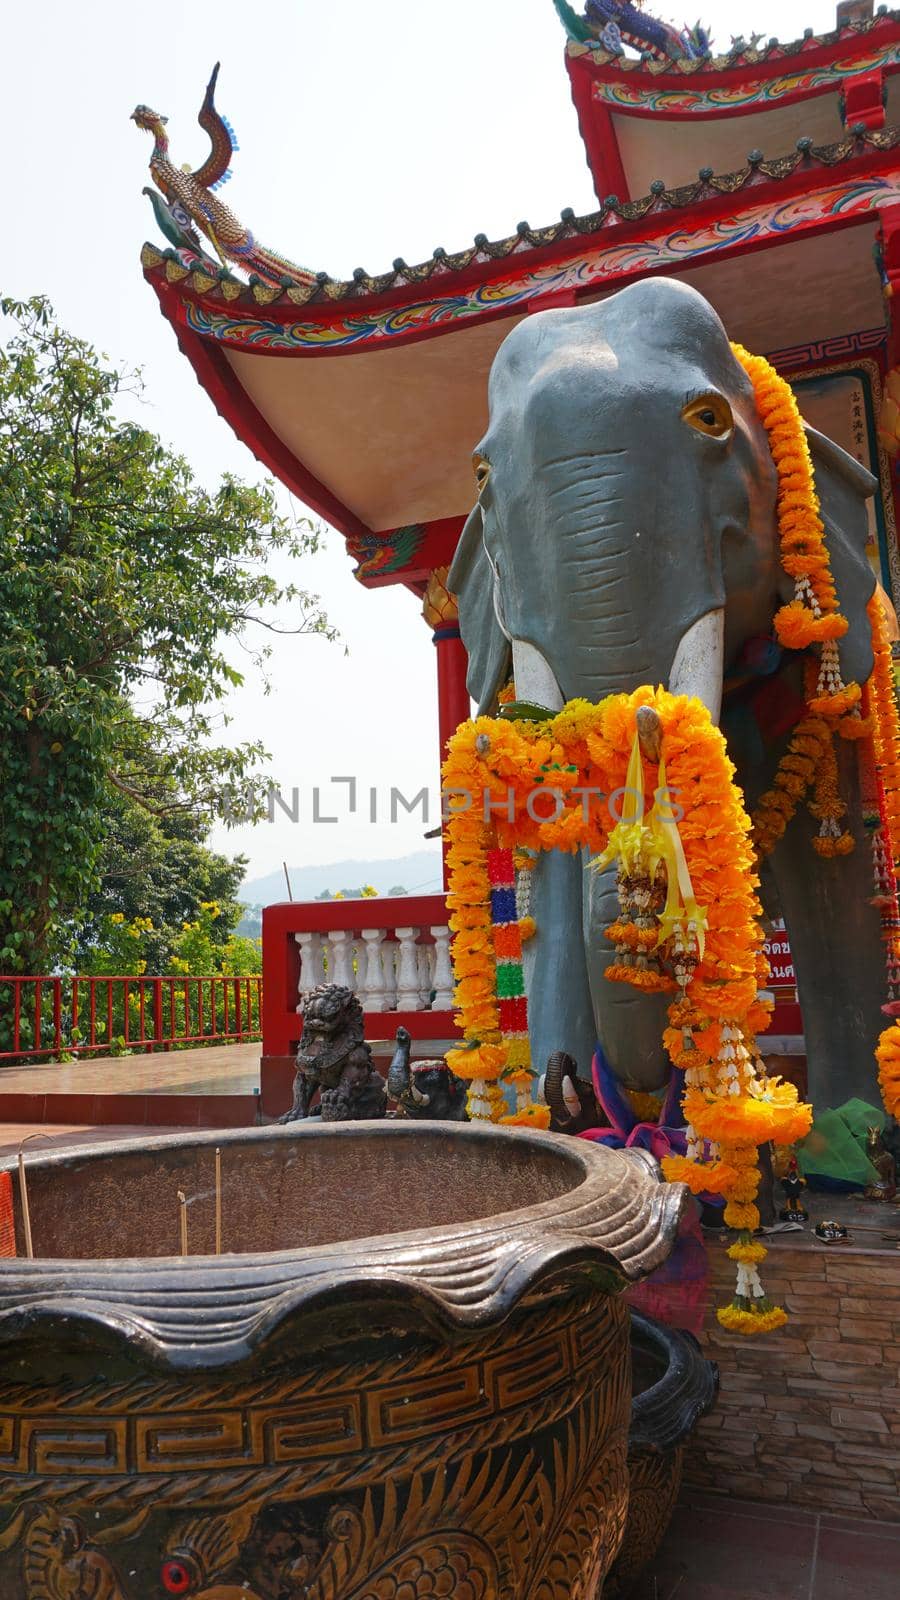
<point>407,1376</point>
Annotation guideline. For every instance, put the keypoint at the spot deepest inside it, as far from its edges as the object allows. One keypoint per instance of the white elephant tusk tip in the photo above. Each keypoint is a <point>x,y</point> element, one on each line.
<point>699,662</point>
<point>569,1094</point>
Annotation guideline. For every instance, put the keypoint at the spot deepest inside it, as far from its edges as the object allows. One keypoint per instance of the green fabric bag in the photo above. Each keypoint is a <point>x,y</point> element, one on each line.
<point>835,1148</point>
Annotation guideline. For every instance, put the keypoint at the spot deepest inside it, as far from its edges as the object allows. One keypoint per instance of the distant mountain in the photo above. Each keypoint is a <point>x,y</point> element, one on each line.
<point>419,873</point>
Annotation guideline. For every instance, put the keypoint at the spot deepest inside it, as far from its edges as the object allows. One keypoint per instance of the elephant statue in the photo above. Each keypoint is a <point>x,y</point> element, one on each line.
<point>424,1088</point>
<point>625,533</point>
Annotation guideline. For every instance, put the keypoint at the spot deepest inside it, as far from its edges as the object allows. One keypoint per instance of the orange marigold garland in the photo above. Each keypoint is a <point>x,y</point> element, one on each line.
<point>886,838</point>
<point>886,732</point>
<point>707,941</point>
<point>812,618</point>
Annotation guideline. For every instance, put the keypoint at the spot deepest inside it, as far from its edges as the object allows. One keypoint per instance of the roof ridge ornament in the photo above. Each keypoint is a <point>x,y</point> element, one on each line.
<point>612,24</point>
<point>191,202</point>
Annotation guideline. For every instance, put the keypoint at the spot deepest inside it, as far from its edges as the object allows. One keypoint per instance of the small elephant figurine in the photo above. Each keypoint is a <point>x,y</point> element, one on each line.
<point>425,1088</point>
<point>884,1165</point>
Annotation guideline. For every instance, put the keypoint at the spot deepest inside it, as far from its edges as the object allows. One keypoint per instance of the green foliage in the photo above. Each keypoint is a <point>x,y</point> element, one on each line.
<point>158,869</point>
<point>122,584</point>
<point>199,950</point>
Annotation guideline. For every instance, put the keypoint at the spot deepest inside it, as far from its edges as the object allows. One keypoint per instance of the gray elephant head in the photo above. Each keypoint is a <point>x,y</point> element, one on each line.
<point>625,531</point>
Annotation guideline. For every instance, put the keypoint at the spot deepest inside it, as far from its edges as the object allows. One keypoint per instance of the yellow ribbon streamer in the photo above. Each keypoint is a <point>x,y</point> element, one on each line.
<point>681,907</point>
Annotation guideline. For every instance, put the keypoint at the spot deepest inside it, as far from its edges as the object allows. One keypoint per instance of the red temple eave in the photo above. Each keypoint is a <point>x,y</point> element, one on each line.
<point>837,186</point>
<point>876,43</point>
<point>378,445</point>
<point>734,103</point>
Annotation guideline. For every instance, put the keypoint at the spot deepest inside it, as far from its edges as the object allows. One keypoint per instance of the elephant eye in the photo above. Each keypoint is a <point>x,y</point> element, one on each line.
<point>710,414</point>
<point>482,471</point>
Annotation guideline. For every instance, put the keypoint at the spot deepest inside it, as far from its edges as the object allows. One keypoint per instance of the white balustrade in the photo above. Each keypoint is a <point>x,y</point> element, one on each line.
<point>341,964</point>
<point>371,993</point>
<point>388,969</point>
<point>424,963</point>
<point>312,964</point>
<point>443,971</point>
<point>389,964</point>
<point>408,997</point>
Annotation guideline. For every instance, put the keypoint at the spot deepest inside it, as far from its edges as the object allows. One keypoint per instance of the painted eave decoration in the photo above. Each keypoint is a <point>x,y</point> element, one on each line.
<point>202,281</point>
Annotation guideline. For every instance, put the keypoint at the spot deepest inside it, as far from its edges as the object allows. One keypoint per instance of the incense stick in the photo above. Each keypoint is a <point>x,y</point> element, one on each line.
<point>218,1201</point>
<point>26,1213</point>
<point>182,1203</point>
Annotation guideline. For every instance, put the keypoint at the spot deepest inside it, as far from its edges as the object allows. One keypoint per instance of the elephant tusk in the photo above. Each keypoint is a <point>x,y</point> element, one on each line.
<point>699,662</point>
<point>417,1096</point>
<point>535,681</point>
<point>570,1096</point>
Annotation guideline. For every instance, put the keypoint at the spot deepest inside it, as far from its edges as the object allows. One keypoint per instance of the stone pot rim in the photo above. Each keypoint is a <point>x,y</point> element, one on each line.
<point>615,1224</point>
<point>663,1415</point>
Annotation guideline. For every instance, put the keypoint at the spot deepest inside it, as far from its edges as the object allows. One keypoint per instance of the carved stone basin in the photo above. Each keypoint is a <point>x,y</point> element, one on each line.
<point>409,1377</point>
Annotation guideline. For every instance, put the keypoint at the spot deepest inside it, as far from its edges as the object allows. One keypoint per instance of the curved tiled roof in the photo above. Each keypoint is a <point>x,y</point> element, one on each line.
<point>203,275</point>
<point>745,56</point>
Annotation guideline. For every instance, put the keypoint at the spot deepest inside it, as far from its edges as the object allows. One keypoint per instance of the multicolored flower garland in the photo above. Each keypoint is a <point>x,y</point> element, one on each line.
<point>707,936</point>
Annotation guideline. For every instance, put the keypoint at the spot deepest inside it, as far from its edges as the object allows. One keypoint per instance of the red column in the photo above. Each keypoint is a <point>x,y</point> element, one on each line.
<point>453,696</point>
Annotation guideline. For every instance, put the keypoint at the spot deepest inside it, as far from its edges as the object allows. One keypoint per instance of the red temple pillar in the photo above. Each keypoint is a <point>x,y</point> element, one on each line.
<point>440,612</point>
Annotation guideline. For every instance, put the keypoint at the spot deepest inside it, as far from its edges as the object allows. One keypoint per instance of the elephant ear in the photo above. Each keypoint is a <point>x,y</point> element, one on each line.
<point>843,487</point>
<point>472,581</point>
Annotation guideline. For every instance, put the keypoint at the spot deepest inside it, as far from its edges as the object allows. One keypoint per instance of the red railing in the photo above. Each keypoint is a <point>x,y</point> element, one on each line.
<point>45,1016</point>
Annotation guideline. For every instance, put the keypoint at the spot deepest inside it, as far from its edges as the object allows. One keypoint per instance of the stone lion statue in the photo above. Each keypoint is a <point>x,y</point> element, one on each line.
<point>334,1060</point>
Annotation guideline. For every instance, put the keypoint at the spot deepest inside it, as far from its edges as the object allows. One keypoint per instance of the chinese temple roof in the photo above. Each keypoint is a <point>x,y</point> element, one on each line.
<point>355,394</point>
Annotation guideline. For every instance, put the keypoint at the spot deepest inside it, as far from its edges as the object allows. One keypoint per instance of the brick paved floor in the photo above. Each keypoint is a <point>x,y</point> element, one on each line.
<point>726,1549</point>
<point>48,1136</point>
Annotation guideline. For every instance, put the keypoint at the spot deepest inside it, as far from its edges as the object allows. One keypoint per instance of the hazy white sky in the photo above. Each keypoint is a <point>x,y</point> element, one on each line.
<point>367,130</point>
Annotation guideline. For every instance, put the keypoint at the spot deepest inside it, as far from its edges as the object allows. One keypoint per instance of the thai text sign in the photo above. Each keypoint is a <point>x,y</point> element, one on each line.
<point>778,954</point>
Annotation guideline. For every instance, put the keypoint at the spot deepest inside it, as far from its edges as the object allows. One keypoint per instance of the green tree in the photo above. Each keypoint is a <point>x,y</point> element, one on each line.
<point>122,584</point>
<point>156,868</point>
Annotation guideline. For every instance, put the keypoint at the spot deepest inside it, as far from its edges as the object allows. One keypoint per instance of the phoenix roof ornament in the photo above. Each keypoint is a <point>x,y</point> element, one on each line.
<point>191,201</point>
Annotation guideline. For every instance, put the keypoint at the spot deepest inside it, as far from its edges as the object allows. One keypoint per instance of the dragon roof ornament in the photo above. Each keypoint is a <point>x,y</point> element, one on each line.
<point>615,23</point>
<point>658,43</point>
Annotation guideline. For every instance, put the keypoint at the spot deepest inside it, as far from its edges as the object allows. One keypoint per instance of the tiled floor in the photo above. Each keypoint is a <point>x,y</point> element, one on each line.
<point>47,1136</point>
<point>215,1069</point>
<point>721,1549</point>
